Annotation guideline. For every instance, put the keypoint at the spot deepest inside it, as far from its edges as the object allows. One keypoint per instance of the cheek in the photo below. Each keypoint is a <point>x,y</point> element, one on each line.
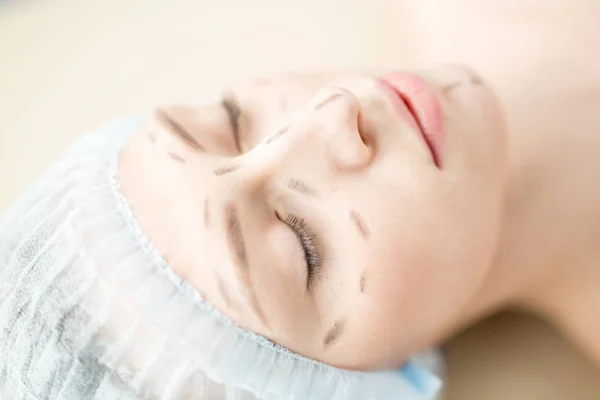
<point>425,268</point>
<point>278,279</point>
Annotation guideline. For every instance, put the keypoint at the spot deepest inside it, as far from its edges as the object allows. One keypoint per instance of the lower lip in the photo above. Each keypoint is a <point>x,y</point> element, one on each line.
<point>423,104</point>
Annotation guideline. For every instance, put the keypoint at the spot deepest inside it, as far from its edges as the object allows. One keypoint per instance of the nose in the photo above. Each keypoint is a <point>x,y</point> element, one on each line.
<point>326,138</point>
<point>338,112</point>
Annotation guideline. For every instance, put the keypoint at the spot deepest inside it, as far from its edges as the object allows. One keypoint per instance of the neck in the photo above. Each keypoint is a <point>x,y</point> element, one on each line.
<point>547,258</point>
<point>548,248</point>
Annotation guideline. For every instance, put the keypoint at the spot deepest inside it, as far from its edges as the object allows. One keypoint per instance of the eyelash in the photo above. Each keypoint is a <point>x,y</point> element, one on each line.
<point>312,254</point>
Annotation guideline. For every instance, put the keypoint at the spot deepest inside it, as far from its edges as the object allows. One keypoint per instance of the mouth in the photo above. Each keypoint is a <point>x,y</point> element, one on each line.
<point>412,96</point>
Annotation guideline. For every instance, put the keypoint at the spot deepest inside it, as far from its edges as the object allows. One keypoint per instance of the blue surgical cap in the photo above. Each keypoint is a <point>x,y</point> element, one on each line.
<point>90,310</point>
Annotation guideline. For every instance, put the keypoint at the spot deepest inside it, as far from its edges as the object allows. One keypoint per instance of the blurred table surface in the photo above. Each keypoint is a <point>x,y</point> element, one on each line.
<point>67,66</point>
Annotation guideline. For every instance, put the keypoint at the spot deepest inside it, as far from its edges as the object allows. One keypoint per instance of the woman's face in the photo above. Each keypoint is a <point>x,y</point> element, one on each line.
<point>312,210</point>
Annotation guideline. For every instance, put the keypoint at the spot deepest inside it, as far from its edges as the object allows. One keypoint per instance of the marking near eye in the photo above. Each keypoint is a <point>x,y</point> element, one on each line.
<point>334,333</point>
<point>177,158</point>
<point>329,99</point>
<point>360,224</point>
<point>302,187</point>
<point>363,279</point>
<point>225,170</point>
<point>278,134</point>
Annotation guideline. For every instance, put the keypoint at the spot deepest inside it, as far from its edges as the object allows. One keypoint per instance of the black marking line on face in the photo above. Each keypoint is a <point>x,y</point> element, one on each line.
<point>225,170</point>
<point>334,333</point>
<point>234,114</point>
<point>206,213</point>
<point>329,99</point>
<point>282,103</point>
<point>178,130</point>
<point>450,87</point>
<point>360,224</point>
<point>236,241</point>
<point>177,158</point>
<point>301,187</point>
<point>363,280</point>
<point>278,134</point>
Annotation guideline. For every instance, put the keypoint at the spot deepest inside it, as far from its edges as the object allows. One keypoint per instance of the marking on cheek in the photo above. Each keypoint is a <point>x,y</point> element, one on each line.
<point>278,134</point>
<point>329,99</point>
<point>301,187</point>
<point>225,170</point>
<point>363,279</point>
<point>334,333</point>
<point>177,158</point>
<point>360,224</point>
<point>475,80</point>
<point>206,213</point>
<point>450,87</point>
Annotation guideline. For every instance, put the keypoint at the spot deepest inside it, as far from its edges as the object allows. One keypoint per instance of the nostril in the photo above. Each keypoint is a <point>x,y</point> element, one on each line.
<point>361,128</point>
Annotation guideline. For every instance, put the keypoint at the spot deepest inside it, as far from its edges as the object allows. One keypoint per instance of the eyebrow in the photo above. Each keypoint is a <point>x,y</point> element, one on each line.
<point>360,224</point>
<point>334,333</point>
<point>178,130</point>
<point>236,241</point>
<point>301,187</point>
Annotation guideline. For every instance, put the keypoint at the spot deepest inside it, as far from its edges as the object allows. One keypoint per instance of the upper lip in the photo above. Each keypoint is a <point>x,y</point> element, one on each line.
<point>403,104</point>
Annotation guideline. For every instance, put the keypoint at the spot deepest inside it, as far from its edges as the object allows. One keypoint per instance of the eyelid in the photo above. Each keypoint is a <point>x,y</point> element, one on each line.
<point>309,243</point>
<point>232,107</point>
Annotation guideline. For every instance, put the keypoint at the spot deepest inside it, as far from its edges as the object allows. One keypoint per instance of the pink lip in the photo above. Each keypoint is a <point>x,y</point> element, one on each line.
<point>421,103</point>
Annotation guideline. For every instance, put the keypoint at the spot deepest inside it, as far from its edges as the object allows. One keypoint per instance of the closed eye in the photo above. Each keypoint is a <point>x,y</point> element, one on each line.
<point>308,241</point>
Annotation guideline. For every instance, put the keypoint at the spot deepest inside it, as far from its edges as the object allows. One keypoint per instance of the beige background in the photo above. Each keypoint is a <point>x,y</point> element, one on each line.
<point>68,65</point>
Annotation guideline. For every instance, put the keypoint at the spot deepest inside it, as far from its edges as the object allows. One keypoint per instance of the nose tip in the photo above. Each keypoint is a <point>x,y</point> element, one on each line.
<point>339,111</point>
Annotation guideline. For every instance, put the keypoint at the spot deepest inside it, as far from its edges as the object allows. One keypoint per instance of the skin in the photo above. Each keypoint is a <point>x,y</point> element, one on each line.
<point>541,255</point>
<point>547,259</point>
<point>404,247</point>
